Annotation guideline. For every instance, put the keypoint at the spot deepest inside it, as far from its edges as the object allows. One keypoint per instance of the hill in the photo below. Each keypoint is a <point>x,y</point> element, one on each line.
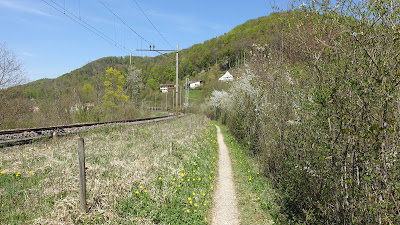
<point>63,99</point>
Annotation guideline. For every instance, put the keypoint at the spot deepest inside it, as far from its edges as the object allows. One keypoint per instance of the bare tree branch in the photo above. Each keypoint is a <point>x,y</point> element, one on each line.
<point>11,73</point>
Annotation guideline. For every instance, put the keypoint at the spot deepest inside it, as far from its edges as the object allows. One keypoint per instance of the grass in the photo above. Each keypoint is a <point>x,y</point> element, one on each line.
<point>256,197</point>
<point>195,95</point>
<point>132,177</point>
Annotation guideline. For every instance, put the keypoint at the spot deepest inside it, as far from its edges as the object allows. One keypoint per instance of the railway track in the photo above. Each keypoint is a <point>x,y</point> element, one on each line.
<point>22,136</point>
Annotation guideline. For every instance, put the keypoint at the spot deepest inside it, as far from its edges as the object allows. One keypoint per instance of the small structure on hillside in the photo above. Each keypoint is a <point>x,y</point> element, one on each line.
<point>227,76</point>
<point>166,87</point>
<point>195,84</point>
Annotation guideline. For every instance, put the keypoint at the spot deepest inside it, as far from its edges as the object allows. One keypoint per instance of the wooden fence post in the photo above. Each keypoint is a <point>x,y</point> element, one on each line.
<point>82,174</point>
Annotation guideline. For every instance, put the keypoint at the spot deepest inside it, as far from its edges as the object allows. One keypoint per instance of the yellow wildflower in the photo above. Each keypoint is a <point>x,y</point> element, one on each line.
<point>182,174</point>
<point>195,204</point>
<point>181,179</point>
<point>204,194</point>
<point>140,186</point>
<point>199,178</point>
<point>194,193</point>
<point>160,178</point>
<point>136,192</point>
<point>188,210</point>
<point>3,172</point>
<point>189,198</point>
<point>31,171</point>
<point>190,202</point>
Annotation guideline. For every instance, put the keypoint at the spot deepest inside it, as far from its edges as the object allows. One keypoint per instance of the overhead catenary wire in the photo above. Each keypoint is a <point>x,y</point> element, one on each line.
<point>127,25</point>
<point>122,21</point>
<point>152,24</point>
<point>84,24</point>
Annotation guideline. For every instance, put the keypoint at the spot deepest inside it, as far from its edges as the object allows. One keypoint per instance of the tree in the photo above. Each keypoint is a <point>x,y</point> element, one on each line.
<point>153,84</point>
<point>134,82</point>
<point>114,84</point>
<point>88,93</point>
<point>11,73</point>
<point>12,106</point>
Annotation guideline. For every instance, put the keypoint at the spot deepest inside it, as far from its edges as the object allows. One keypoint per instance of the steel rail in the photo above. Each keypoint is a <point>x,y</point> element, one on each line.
<point>26,135</point>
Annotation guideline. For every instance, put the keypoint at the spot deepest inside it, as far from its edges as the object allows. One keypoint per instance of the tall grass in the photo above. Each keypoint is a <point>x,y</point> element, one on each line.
<point>40,184</point>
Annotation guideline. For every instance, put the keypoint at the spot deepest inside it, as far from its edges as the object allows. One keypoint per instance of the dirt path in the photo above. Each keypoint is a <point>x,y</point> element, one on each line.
<point>225,209</point>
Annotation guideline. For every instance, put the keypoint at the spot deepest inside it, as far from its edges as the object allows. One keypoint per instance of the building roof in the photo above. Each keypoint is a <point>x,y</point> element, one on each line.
<point>227,76</point>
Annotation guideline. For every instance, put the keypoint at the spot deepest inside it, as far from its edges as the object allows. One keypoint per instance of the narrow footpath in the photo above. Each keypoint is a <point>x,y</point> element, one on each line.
<point>225,209</point>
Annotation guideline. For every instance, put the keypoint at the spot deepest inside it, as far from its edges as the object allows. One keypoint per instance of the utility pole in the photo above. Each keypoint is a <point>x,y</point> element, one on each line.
<point>130,58</point>
<point>177,67</point>
<point>180,99</point>
<point>187,93</point>
<point>176,85</point>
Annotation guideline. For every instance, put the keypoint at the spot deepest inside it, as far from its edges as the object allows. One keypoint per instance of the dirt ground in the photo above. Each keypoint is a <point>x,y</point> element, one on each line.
<point>225,209</point>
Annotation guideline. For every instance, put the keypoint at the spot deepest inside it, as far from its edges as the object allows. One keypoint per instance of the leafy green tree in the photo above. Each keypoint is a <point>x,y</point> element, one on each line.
<point>114,83</point>
<point>153,84</point>
<point>88,93</point>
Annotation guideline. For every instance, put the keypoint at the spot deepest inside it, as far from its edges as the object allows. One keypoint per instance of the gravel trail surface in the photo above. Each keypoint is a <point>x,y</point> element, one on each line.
<point>225,209</point>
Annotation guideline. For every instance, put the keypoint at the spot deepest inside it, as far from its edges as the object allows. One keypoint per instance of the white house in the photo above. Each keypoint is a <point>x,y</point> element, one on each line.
<point>164,88</point>
<point>227,76</point>
<point>196,84</point>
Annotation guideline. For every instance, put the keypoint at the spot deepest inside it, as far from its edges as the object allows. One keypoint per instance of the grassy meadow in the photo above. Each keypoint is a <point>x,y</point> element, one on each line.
<point>132,176</point>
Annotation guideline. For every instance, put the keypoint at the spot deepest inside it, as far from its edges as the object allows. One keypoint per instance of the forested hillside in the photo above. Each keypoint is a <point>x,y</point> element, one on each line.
<point>77,96</point>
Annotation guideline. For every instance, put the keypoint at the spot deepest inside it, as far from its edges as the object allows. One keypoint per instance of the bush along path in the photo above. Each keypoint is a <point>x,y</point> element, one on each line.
<point>225,209</point>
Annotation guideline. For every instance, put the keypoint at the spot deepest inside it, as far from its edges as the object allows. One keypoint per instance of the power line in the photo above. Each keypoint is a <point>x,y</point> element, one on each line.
<point>85,25</point>
<point>152,24</point>
<point>124,22</point>
<point>129,27</point>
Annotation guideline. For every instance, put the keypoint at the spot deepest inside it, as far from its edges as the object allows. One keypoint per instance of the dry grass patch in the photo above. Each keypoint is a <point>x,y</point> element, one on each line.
<point>117,160</point>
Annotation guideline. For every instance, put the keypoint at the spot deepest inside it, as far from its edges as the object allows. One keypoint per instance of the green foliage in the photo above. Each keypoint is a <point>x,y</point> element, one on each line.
<point>114,95</point>
<point>323,113</point>
<point>153,84</point>
<point>88,93</point>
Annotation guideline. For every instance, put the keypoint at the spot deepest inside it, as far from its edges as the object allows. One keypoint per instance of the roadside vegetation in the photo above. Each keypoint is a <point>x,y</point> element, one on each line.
<point>255,194</point>
<point>132,177</point>
<point>321,112</point>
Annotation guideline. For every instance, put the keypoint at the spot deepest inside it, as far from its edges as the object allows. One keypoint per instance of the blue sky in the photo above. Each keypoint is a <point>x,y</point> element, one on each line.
<point>49,44</point>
